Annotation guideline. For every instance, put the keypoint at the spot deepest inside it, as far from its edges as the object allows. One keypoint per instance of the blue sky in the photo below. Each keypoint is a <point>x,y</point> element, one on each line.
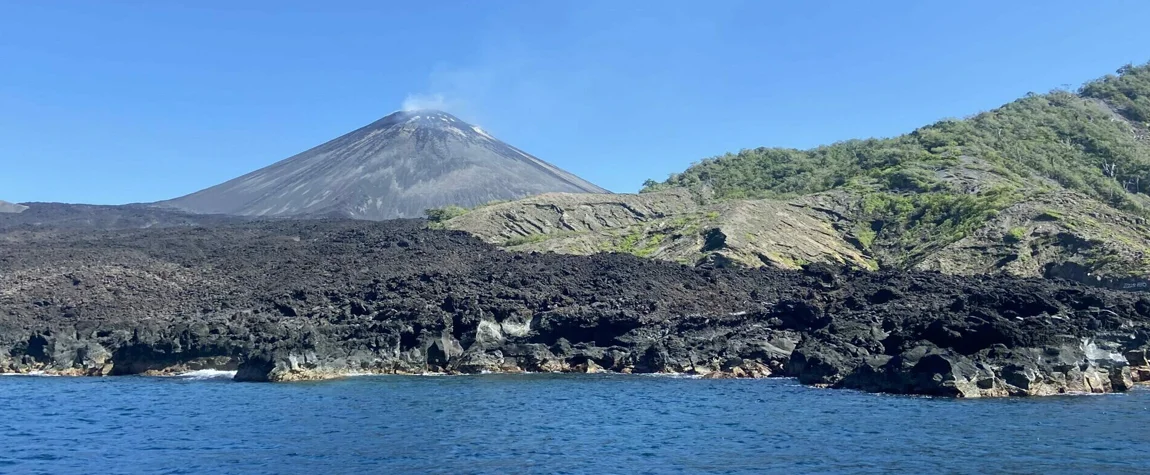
<point>115,101</point>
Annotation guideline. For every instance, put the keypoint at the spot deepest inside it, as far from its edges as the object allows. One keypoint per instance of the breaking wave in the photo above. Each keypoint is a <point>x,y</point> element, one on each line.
<point>202,374</point>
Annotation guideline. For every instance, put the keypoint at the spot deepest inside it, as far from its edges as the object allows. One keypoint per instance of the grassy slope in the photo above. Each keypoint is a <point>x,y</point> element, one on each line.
<point>1093,142</point>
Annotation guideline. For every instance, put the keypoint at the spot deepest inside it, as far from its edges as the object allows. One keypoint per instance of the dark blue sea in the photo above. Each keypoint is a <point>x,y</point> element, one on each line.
<point>503,424</point>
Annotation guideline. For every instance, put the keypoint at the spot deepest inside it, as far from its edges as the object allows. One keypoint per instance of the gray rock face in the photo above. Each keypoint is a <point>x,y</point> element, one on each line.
<point>396,167</point>
<point>6,207</point>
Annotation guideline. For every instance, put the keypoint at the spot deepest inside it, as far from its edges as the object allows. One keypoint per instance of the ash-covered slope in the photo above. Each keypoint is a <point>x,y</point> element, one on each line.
<point>6,207</point>
<point>395,167</point>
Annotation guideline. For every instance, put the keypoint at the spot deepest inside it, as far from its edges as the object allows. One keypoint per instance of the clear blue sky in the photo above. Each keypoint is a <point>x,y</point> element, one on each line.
<point>116,101</point>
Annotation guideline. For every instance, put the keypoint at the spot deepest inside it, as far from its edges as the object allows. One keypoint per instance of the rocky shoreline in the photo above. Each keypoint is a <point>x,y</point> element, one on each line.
<point>306,300</point>
<point>1069,368</point>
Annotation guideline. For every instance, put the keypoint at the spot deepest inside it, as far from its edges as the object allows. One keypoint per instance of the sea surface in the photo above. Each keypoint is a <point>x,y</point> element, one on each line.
<point>503,424</point>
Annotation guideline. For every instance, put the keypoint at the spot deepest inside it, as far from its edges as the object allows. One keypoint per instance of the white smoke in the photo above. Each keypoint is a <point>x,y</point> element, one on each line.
<point>415,102</point>
<point>493,79</point>
<point>505,76</point>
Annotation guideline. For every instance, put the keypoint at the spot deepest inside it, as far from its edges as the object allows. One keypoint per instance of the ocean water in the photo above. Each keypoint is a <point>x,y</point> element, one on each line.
<point>501,424</point>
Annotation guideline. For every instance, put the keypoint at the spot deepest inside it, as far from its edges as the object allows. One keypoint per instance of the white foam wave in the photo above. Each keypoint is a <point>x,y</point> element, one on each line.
<point>31,373</point>
<point>671,375</point>
<point>206,374</point>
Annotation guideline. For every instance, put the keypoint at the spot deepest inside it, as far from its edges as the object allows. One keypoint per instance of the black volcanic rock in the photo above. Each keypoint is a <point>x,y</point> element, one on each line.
<point>286,299</point>
<point>43,216</point>
<point>396,167</point>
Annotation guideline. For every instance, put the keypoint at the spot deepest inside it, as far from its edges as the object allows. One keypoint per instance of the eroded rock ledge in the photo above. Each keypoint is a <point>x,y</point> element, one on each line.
<point>288,301</point>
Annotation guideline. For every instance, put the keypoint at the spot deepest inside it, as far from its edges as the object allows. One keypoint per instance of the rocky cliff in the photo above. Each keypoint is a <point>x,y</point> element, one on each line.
<point>293,300</point>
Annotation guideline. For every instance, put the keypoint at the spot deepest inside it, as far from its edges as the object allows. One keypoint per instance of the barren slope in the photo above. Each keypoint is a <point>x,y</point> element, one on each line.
<point>396,167</point>
<point>6,207</point>
<point>670,225</point>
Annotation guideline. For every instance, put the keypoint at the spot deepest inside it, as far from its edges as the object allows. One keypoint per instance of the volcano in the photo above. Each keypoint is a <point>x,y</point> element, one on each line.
<point>396,167</point>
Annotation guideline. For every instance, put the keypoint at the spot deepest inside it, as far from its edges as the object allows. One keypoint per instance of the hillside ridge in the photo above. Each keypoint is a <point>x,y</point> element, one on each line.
<point>1043,184</point>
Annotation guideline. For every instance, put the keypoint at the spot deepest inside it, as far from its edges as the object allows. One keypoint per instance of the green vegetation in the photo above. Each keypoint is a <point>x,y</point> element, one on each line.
<point>919,222</point>
<point>1015,234</point>
<point>866,237</point>
<point>686,224</point>
<point>916,189</point>
<point>1077,163</point>
<point>650,245</point>
<point>786,262</point>
<point>636,242</point>
<point>439,215</point>
<point>1126,92</point>
<point>628,242</point>
<point>1069,138</point>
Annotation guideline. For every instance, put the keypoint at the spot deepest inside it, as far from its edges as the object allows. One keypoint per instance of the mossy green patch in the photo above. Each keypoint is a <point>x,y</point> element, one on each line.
<point>866,237</point>
<point>439,215</point>
<point>1015,234</point>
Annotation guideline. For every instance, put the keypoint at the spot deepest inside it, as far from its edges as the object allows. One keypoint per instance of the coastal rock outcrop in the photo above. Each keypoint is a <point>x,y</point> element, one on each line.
<point>304,300</point>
